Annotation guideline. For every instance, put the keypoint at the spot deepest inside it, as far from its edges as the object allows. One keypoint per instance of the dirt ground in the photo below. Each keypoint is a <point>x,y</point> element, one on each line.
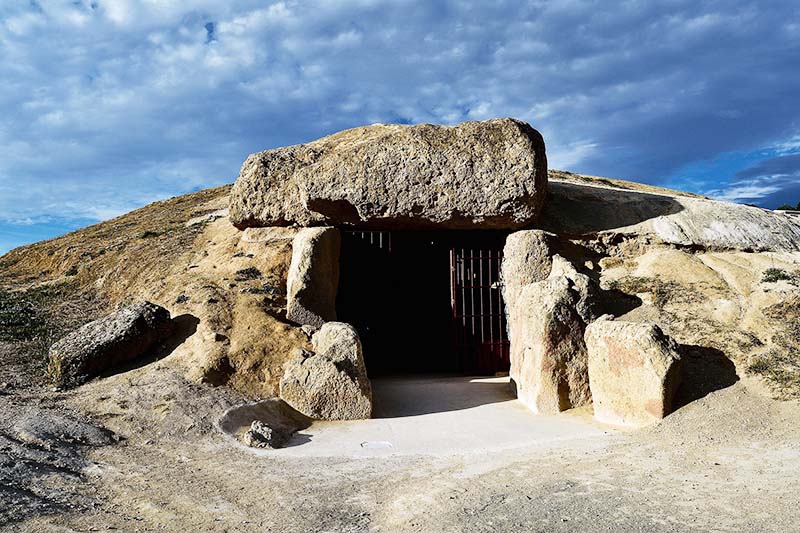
<point>727,462</point>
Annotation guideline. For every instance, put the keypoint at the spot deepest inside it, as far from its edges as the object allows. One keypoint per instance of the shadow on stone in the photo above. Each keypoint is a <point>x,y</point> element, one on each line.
<point>274,413</point>
<point>705,370</point>
<point>184,326</point>
<point>617,303</point>
<point>575,209</point>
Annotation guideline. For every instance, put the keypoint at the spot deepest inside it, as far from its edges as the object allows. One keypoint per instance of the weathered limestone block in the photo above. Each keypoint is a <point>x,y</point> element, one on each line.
<point>313,276</point>
<point>634,369</point>
<point>105,343</point>
<point>548,354</point>
<point>527,258</point>
<point>490,174</point>
<point>332,383</point>
<point>585,286</point>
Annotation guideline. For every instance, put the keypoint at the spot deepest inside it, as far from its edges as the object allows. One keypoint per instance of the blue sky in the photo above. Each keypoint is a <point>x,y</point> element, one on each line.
<point>107,105</point>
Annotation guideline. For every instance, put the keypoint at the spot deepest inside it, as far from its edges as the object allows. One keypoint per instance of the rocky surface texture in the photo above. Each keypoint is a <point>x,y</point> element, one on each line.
<point>487,175</point>
<point>331,383</point>
<point>108,342</point>
<point>548,354</point>
<point>313,276</point>
<point>527,258</point>
<point>634,371</point>
<point>548,304</point>
<point>43,458</point>
<point>587,208</point>
<point>269,424</point>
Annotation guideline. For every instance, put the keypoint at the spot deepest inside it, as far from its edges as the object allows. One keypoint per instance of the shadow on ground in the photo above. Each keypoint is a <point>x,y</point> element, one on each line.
<point>705,370</point>
<point>184,327</point>
<point>413,396</point>
<point>274,412</point>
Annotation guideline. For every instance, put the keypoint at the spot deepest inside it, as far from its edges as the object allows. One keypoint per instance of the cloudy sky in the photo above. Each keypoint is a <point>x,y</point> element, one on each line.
<point>106,105</point>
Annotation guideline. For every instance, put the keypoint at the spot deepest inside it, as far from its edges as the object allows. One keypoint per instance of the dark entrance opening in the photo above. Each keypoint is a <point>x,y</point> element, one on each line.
<point>425,301</point>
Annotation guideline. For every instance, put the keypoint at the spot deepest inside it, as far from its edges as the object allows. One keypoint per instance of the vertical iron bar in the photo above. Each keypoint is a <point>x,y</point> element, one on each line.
<point>491,302</point>
<point>463,305</point>
<point>474,345</point>
<point>480,284</point>
<point>501,311</point>
<point>472,289</point>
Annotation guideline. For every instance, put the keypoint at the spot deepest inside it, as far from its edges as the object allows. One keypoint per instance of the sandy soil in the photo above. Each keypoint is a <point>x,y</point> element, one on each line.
<point>727,462</point>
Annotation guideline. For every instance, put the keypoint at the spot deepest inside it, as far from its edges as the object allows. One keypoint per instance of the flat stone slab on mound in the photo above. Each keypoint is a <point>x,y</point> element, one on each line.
<point>581,209</point>
<point>634,370</point>
<point>490,174</point>
<point>105,343</point>
<point>332,383</point>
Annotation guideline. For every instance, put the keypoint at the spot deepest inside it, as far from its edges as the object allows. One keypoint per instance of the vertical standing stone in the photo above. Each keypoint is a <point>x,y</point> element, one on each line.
<point>634,369</point>
<point>313,276</point>
<point>548,354</point>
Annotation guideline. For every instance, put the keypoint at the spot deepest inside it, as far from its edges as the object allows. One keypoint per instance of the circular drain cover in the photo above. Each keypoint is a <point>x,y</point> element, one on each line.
<point>376,444</point>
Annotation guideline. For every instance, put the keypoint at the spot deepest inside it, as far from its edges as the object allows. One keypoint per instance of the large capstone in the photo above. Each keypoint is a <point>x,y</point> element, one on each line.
<point>490,175</point>
<point>634,369</point>
<point>331,383</point>
<point>108,342</point>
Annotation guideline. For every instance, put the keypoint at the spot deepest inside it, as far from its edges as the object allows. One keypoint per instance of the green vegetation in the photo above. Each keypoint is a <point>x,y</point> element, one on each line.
<point>35,318</point>
<point>781,369</point>
<point>24,314</point>
<point>787,207</point>
<point>773,275</point>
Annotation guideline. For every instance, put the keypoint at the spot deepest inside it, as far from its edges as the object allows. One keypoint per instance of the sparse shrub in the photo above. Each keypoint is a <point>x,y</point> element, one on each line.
<point>21,319</point>
<point>149,234</point>
<point>773,275</point>
<point>35,318</point>
<point>73,271</point>
<point>247,274</point>
<point>781,370</point>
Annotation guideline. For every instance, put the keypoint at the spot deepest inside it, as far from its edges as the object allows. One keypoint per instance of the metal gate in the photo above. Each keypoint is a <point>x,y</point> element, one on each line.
<point>478,311</point>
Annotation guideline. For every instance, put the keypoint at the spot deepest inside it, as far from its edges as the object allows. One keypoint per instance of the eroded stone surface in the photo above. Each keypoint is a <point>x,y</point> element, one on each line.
<point>527,258</point>
<point>589,293</point>
<point>591,209</point>
<point>313,276</point>
<point>548,354</point>
<point>634,369</point>
<point>490,174</point>
<point>332,383</point>
<point>105,343</point>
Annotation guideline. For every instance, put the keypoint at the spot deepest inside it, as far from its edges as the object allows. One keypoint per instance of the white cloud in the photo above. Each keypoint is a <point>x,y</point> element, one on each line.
<point>739,193</point>
<point>110,103</point>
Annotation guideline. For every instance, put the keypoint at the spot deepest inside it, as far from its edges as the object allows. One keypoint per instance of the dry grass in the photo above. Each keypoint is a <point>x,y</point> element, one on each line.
<point>32,320</point>
<point>52,287</point>
<point>780,365</point>
<point>570,177</point>
<point>127,249</point>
